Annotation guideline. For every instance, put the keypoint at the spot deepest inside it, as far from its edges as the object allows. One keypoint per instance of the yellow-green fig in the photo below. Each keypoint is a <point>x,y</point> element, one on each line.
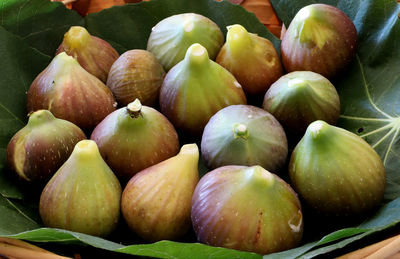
<point>336,172</point>
<point>156,202</point>
<point>84,195</point>
<point>252,59</point>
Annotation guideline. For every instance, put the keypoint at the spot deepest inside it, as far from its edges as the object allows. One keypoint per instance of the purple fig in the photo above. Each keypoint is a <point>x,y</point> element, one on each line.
<point>135,137</point>
<point>195,89</point>
<point>244,135</point>
<point>337,172</point>
<point>172,36</point>
<point>136,74</point>
<point>246,208</point>
<point>93,54</point>
<point>71,93</point>
<point>320,38</point>
<point>38,150</point>
<point>84,195</point>
<point>156,202</point>
<point>299,98</point>
<point>253,60</point>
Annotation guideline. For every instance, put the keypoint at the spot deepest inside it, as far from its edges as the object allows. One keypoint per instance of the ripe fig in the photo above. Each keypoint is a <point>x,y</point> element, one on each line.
<point>244,135</point>
<point>246,208</point>
<point>135,137</point>
<point>172,36</point>
<point>337,172</point>
<point>320,38</point>
<point>156,202</point>
<point>38,150</point>
<point>70,93</point>
<point>299,98</point>
<point>84,195</point>
<point>93,54</point>
<point>253,60</point>
<point>136,74</point>
<point>195,89</point>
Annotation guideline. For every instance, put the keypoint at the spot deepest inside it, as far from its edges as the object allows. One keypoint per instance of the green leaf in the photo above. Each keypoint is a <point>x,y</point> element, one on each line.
<point>41,23</point>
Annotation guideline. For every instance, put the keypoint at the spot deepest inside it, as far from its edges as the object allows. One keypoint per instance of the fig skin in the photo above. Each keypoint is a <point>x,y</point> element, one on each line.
<point>70,93</point>
<point>38,150</point>
<point>299,98</point>
<point>246,208</point>
<point>171,37</point>
<point>135,137</point>
<point>336,172</point>
<point>136,74</point>
<point>321,38</point>
<point>95,55</point>
<point>156,202</point>
<point>253,60</point>
<point>84,195</point>
<point>244,135</point>
<point>195,89</point>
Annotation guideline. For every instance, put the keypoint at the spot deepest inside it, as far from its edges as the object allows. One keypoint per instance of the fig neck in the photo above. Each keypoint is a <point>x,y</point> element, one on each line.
<point>86,150</point>
<point>237,39</point>
<point>260,177</point>
<point>77,37</point>
<point>319,134</point>
<point>197,57</point>
<point>240,130</point>
<point>40,117</point>
<point>134,109</point>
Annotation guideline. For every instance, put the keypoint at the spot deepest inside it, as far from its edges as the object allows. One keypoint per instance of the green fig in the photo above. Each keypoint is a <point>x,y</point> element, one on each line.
<point>244,135</point>
<point>38,150</point>
<point>195,89</point>
<point>135,137</point>
<point>301,97</point>
<point>156,202</point>
<point>336,172</point>
<point>320,38</point>
<point>246,208</point>
<point>70,93</point>
<point>136,74</point>
<point>93,54</point>
<point>252,59</point>
<point>84,195</point>
<point>171,37</point>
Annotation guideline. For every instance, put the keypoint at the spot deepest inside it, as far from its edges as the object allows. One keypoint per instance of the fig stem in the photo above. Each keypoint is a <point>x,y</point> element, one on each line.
<point>240,131</point>
<point>134,109</point>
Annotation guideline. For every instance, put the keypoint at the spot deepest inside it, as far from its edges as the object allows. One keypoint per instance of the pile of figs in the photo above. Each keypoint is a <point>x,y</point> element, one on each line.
<point>148,111</point>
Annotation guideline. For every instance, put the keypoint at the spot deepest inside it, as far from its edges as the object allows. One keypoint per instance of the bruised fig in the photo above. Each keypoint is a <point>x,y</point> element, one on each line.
<point>135,137</point>
<point>93,54</point>
<point>246,208</point>
<point>38,150</point>
<point>156,202</point>
<point>244,135</point>
<point>70,93</point>
<point>136,74</point>
<point>253,60</point>
<point>320,38</point>
<point>195,89</point>
<point>337,172</point>
<point>84,195</point>
<point>299,98</point>
<point>171,37</point>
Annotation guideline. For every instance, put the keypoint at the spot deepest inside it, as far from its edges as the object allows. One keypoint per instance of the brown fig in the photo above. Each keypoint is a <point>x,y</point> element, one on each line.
<point>93,54</point>
<point>71,93</point>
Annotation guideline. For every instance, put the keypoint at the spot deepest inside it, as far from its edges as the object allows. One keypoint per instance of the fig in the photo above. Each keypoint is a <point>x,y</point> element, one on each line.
<point>38,150</point>
<point>171,37</point>
<point>156,202</point>
<point>301,97</point>
<point>320,38</point>
<point>84,195</point>
<point>135,137</point>
<point>136,74</point>
<point>195,89</point>
<point>336,172</point>
<point>246,208</point>
<point>70,93</point>
<point>252,59</point>
<point>244,135</point>
<point>93,54</point>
